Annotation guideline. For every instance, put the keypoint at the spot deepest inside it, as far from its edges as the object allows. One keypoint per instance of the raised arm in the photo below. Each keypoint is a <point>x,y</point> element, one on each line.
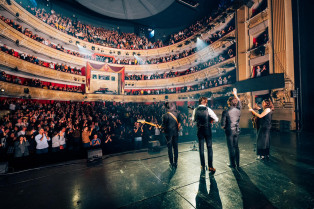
<point>265,112</point>
<point>235,94</point>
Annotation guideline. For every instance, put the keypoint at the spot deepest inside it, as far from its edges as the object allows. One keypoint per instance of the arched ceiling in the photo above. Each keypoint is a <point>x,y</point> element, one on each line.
<point>153,13</point>
<point>127,9</point>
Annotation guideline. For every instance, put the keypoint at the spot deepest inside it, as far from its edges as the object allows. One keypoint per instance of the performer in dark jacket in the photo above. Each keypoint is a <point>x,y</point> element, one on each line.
<point>230,122</point>
<point>171,124</point>
<point>263,131</point>
<point>203,116</point>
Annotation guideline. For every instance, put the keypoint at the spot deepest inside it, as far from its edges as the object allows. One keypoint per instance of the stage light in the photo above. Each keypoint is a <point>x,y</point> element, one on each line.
<point>85,51</point>
<point>139,60</point>
<point>200,44</point>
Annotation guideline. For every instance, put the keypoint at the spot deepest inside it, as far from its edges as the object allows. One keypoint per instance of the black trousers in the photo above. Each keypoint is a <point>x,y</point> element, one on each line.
<point>172,143</point>
<point>207,137</point>
<point>233,148</point>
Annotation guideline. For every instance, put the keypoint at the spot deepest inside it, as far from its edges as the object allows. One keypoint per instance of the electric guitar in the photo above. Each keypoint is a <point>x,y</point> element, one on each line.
<point>152,124</point>
<point>254,119</point>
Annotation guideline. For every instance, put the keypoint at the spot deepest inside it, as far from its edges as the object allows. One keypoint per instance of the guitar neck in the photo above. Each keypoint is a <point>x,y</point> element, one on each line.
<point>153,124</point>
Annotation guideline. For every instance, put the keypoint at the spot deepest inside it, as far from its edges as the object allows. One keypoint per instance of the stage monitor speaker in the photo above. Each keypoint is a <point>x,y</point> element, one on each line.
<point>3,167</point>
<point>154,145</point>
<point>94,154</point>
<point>26,90</point>
<point>166,97</point>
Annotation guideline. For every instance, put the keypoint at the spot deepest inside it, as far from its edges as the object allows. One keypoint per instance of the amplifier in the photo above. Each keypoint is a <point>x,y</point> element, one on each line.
<point>94,154</point>
<point>154,145</point>
<point>3,167</point>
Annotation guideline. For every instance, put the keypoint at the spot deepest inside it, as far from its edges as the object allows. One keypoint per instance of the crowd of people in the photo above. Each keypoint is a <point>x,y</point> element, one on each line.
<point>33,59</point>
<point>260,40</point>
<point>228,78</point>
<point>34,128</point>
<point>112,38</point>
<point>33,82</point>
<point>132,61</point>
<point>260,70</point>
<point>227,54</point>
<point>260,7</point>
<point>214,37</point>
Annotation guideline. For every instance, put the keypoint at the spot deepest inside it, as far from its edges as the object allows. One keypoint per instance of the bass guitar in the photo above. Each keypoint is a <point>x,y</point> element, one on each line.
<point>152,124</point>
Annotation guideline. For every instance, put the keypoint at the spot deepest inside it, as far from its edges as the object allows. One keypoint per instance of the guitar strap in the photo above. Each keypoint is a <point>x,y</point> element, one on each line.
<point>174,117</point>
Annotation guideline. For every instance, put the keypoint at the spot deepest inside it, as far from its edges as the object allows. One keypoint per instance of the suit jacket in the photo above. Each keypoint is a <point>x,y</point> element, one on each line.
<point>169,124</point>
<point>230,119</point>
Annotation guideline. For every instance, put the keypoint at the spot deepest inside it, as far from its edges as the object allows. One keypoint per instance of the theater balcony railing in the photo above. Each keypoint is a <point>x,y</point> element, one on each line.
<point>257,19</point>
<point>12,34</point>
<point>37,70</point>
<point>259,51</point>
<point>200,75</point>
<point>27,17</point>
<point>17,91</point>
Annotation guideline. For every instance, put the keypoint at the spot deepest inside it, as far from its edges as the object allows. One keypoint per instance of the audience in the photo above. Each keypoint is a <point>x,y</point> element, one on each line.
<point>227,54</point>
<point>226,79</point>
<point>34,60</point>
<point>49,125</point>
<point>112,38</point>
<point>104,58</point>
<point>260,70</point>
<point>40,84</point>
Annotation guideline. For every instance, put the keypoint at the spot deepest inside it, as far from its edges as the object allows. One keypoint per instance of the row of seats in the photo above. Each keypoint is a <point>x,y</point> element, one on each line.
<point>225,55</point>
<point>228,78</point>
<point>33,82</point>
<point>111,38</point>
<point>129,61</point>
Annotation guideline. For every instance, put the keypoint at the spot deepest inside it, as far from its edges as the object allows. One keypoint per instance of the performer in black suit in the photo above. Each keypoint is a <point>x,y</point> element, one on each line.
<point>171,124</point>
<point>263,131</point>
<point>230,122</point>
<point>203,116</point>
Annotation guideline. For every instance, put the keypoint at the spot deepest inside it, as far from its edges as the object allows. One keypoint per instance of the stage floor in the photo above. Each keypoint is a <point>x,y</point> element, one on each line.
<point>143,180</point>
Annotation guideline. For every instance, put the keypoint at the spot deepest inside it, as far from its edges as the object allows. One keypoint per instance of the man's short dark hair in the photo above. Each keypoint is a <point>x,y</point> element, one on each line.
<point>170,105</point>
<point>203,100</point>
<point>232,101</point>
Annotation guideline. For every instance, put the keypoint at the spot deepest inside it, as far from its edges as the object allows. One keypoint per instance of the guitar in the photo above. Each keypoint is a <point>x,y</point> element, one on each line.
<point>152,124</point>
<point>254,119</point>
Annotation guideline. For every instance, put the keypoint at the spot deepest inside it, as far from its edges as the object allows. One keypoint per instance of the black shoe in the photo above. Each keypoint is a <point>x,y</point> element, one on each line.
<point>231,166</point>
<point>171,166</point>
<point>212,171</point>
<point>175,165</point>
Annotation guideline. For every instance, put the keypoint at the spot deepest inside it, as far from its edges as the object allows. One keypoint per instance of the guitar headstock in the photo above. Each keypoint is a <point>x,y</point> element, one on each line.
<point>141,121</point>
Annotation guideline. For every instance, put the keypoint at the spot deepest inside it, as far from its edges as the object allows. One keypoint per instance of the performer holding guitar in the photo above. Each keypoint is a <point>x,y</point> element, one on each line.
<point>171,125</point>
